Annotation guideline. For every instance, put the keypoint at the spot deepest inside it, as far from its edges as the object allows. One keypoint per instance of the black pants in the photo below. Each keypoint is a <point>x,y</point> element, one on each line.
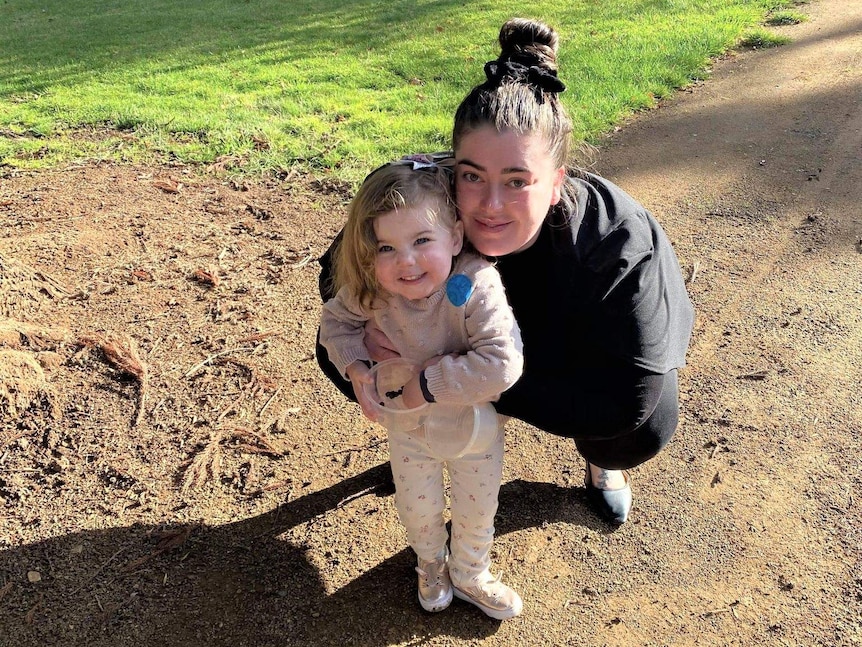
<point>652,429</point>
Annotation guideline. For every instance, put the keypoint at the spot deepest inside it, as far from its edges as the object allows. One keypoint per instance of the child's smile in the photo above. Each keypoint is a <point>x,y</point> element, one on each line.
<point>414,251</point>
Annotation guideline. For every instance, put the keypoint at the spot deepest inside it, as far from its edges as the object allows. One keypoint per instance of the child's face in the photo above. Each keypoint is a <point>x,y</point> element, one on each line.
<point>414,255</point>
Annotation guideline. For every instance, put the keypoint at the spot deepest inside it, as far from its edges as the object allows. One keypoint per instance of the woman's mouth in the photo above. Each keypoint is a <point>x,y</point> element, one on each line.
<point>491,225</point>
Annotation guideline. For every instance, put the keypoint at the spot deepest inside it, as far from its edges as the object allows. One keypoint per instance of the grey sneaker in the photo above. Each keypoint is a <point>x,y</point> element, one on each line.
<point>493,597</point>
<point>435,587</point>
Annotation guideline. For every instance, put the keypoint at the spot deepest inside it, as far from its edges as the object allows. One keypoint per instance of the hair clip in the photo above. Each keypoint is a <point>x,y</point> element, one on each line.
<point>420,161</point>
<point>443,161</point>
<point>535,75</point>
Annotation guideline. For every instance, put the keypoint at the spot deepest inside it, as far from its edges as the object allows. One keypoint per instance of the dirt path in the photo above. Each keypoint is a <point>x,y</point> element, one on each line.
<point>243,507</point>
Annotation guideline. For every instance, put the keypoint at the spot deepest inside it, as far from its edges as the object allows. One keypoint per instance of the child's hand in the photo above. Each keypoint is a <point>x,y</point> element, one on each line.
<point>412,395</point>
<point>359,374</point>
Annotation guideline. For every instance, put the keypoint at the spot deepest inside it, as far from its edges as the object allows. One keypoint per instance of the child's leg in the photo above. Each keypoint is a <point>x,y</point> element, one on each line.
<point>419,495</point>
<point>475,491</point>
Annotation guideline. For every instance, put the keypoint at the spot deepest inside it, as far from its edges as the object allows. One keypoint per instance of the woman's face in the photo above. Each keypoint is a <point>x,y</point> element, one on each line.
<point>505,184</point>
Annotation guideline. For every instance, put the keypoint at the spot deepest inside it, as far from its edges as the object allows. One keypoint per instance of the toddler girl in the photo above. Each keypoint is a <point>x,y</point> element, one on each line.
<point>400,263</point>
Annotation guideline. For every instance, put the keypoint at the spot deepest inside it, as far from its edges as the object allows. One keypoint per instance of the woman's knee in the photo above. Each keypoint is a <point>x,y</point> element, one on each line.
<point>646,440</point>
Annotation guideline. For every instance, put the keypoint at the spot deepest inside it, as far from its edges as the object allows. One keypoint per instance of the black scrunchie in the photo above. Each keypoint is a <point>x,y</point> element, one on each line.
<point>539,77</point>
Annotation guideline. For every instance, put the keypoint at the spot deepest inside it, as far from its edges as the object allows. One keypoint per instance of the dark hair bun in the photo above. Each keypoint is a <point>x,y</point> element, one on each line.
<point>529,42</point>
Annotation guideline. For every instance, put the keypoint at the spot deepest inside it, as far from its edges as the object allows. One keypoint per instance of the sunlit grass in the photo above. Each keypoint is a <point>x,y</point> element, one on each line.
<point>762,39</point>
<point>329,86</point>
<point>788,17</point>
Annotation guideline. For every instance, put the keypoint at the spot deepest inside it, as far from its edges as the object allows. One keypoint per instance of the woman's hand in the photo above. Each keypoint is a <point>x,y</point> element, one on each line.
<point>359,374</point>
<point>379,346</point>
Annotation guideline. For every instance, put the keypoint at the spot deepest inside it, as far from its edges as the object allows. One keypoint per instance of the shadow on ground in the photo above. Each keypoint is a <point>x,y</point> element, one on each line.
<point>242,583</point>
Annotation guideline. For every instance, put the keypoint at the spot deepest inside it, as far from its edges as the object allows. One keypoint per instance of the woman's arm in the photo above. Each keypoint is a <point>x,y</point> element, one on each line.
<point>324,283</point>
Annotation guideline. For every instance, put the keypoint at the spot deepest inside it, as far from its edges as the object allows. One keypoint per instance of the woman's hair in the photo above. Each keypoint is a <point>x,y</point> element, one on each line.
<point>521,91</point>
<point>405,184</point>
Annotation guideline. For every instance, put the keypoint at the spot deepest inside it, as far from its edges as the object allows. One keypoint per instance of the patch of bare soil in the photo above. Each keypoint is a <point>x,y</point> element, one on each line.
<point>174,469</point>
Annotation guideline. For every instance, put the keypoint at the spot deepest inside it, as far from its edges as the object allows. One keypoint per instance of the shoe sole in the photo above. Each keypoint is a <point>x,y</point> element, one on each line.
<point>493,613</point>
<point>436,608</point>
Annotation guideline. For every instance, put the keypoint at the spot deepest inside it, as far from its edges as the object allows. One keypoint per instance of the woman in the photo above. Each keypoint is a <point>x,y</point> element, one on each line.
<point>593,280</point>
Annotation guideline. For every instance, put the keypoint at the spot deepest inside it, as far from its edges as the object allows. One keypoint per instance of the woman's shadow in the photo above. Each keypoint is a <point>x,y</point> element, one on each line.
<point>240,584</point>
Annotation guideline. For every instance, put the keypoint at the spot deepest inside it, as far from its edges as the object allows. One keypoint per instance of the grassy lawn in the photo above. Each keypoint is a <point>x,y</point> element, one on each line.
<point>329,86</point>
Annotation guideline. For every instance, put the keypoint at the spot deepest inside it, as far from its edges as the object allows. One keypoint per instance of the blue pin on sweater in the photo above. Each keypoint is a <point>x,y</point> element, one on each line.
<point>458,289</point>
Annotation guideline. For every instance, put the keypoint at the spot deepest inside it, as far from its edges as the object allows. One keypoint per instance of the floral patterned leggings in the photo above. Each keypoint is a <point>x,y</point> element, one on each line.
<point>421,502</point>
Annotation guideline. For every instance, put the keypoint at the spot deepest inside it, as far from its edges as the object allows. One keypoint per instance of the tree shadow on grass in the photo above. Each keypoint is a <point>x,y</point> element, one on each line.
<point>240,584</point>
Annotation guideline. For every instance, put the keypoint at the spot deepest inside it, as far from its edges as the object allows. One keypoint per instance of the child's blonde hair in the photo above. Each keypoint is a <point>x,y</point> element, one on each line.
<point>398,185</point>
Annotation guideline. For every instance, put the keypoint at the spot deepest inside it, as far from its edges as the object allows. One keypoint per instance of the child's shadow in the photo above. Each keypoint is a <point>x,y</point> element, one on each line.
<point>239,584</point>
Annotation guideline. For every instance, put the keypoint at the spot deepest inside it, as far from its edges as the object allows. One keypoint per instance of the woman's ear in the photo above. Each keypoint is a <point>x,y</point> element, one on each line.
<point>557,192</point>
<point>457,238</point>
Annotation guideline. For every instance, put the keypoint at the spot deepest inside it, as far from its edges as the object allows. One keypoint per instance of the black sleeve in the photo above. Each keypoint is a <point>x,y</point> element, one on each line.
<point>324,284</point>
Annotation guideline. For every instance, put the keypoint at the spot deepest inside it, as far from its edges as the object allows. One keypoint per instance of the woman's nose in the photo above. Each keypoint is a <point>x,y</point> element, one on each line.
<point>493,199</point>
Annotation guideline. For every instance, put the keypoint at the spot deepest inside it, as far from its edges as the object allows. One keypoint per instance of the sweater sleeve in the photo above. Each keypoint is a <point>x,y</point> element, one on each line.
<point>342,331</point>
<point>495,359</point>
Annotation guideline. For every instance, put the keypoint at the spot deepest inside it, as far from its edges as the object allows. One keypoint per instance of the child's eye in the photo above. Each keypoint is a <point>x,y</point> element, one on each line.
<point>422,240</point>
<point>384,248</point>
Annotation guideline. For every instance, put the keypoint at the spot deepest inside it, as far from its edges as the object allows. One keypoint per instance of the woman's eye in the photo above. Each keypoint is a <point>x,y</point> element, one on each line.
<point>467,176</point>
<point>517,183</point>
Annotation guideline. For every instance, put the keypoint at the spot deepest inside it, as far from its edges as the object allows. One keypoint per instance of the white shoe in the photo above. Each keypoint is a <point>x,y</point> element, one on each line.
<point>435,587</point>
<point>493,597</point>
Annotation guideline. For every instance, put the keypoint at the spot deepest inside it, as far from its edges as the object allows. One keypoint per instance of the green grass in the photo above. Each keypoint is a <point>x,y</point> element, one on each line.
<point>329,86</point>
<point>787,17</point>
<point>762,39</point>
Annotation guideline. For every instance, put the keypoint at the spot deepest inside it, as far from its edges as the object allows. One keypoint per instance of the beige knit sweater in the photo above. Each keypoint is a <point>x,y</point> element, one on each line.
<point>482,331</point>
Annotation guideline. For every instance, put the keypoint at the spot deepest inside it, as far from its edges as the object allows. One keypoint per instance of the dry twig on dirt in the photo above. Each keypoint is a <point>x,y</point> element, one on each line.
<point>121,351</point>
<point>251,442</point>
<point>31,614</point>
<point>693,275</point>
<point>194,369</point>
<point>167,541</point>
<point>349,450</point>
<point>207,463</point>
<point>208,276</point>
<point>168,186</point>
